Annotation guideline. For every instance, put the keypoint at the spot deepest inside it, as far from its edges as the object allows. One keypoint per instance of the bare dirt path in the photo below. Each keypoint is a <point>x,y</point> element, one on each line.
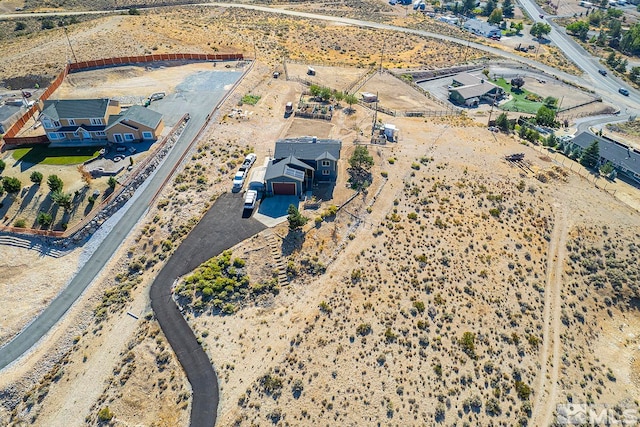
<point>546,386</point>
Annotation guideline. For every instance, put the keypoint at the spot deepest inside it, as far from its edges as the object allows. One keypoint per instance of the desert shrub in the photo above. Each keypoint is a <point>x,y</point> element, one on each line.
<point>250,99</point>
<point>363,329</point>
<point>36,177</point>
<point>44,219</point>
<point>523,390</point>
<point>20,223</point>
<point>105,414</point>
<point>467,343</point>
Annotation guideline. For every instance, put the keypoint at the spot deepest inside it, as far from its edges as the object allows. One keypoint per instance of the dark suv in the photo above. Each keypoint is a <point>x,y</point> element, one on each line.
<point>603,72</point>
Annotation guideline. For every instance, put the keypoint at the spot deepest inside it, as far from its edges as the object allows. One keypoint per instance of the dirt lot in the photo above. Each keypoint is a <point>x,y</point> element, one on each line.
<point>440,283</point>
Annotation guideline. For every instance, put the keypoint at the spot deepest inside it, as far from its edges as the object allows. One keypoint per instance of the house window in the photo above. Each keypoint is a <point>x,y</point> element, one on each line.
<point>99,133</point>
<point>62,135</point>
<point>326,163</point>
<point>326,172</point>
<point>53,135</point>
<point>56,124</point>
<point>71,122</point>
<point>147,135</point>
<point>47,124</point>
<point>128,137</point>
<point>96,121</point>
<point>75,134</point>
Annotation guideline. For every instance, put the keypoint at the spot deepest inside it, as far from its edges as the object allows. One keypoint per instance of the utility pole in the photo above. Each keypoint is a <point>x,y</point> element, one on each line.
<point>382,55</point>
<point>70,47</point>
<point>495,95</point>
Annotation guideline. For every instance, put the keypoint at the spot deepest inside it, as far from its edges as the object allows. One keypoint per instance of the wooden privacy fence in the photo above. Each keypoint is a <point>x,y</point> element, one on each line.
<point>10,137</point>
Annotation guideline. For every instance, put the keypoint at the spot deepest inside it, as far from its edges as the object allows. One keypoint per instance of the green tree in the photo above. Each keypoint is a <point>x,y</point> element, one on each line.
<point>361,159</point>
<point>36,177</point>
<point>579,28</point>
<point>545,116</point>
<point>2,165</point>
<point>502,122</point>
<point>295,218</point>
<point>315,90</point>
<point>338,96</point>
<point>634,74</point>
<point>112,182</point>
<point>612,60</point>
<point>507,8</point>
<point>325,94</point>
<point>350,99</point>
<point>550,102</point>
<point>540,29</point>
<point>615,29</point>
<point>518,26</point>
<point>622,66</point>
<point>495,17</point>
<point>11,185</point>
<point>64,200</point>
<point>517,83</point>
<point>47,24</point>
<point>468,6</point>
<point>489,7</point>
<point>55,183</point>
<point>590,155</point>
<point>606,169</point>
<point>44,219</point>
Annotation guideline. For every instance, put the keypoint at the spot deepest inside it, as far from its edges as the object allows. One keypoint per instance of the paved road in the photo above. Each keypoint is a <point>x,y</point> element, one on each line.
<point>221,228</point>
<point>198,103</point>
<point>608,86</point>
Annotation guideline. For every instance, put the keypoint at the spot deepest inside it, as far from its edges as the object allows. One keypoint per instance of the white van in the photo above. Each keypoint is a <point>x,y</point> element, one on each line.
<point>250,199</point>
<point>238,181</point>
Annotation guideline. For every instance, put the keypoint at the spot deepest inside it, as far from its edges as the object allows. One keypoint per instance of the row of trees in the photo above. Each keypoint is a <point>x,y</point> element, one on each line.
<point>325,94</point>
<point>611,33</point>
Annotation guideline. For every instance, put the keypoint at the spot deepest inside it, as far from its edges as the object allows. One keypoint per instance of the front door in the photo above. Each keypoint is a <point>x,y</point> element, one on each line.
<point>117,137</point>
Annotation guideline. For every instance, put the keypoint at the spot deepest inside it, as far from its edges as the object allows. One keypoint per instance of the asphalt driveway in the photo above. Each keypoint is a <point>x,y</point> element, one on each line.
<point>221,228</point>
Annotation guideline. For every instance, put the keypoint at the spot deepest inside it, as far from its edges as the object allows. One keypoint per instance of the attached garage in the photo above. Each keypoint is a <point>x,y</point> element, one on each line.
<point>284,188</point>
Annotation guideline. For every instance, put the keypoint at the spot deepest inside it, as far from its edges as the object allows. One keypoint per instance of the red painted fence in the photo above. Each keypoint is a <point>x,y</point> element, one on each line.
<point>10,137</point>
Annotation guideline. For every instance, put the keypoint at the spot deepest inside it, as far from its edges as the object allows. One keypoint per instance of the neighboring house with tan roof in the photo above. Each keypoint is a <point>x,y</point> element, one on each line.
<point>84,120</point>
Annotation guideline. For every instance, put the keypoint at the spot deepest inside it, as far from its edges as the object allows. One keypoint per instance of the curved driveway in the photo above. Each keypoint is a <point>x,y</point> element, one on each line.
<point>221,228</point>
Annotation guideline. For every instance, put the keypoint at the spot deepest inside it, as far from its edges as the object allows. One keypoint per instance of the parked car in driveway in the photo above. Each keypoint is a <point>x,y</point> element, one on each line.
<point>624,91</point>
<point>250,199</point>
<point>238,181</point>
<point>248,162</point>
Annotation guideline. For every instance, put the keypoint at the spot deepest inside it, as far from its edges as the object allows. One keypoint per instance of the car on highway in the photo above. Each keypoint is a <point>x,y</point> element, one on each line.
<point>238,181</point>
<point>624,91</point>
<point>603,72</point>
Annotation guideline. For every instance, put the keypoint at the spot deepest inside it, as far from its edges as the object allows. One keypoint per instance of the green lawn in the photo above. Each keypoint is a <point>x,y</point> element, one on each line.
<point>519,101</point>
<point>55,156</point>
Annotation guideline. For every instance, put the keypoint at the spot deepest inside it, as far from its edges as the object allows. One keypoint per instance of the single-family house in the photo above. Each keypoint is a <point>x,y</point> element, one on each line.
<point>481,28</point>
<point>136,123</point>
<point>299,163</point>
<point>625,159</point>
<point>467,89</point>
<point>78,120</point>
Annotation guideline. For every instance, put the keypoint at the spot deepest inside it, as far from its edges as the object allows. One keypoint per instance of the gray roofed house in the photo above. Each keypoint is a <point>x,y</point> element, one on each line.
<point>482,28</point>
<point>467,89</point>
<point>625,159</point>
<point>136,115</point>
<point>302,162</point>
<point>307,148</point>
<point>82,121</point>
<point>75,108</point>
